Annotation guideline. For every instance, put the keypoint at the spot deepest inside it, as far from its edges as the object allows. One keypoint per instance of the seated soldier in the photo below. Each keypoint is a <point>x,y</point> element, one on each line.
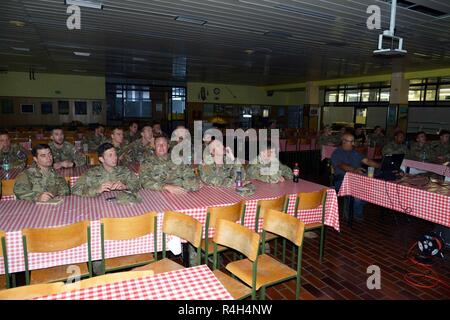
<point>421,150</point>
<point>360,135</point>
<point>178,135</point>
<point>157,132</point>
<point>268,168</point>
<point>132,134</point>
<point>377,137</point>
<point>65,155</point>
<point>140,149</point>
<point>220,169</point>
<point>118,142</point>
<point>161,173</point>
<point>441,148</point>
<point>15,154</point>
<point>94,141</point>
<point>397,146</point>
<point>109,176</point>
<point>40,182</point>
<point>327,138</point>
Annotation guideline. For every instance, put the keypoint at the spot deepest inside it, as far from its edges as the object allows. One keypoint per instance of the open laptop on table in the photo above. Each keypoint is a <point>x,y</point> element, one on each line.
<point>390,167</point>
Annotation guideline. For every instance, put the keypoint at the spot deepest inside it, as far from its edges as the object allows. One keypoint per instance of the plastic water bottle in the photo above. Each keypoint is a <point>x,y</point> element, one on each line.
<point>424,156</point>
<point>6,166</point>
<point>296,172</point>
<point>238,182</point>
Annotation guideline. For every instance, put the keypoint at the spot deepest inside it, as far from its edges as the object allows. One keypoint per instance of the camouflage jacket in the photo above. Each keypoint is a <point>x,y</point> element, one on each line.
<point>220,175</point>
<point>32,182</point>
<point>88,184</point>
<point>255,172</point>
<point>394,148</point>
<point>323,140</point>
<point>131,138</point>
<point>441,150</point>
<point>421,153</point>
<point>119,149</point>
<point>17,156</point>
<point>137,152</point>
<point>377,140</point>
<point>67,152</point>
<point>157,172</point>
<point>94,142</point>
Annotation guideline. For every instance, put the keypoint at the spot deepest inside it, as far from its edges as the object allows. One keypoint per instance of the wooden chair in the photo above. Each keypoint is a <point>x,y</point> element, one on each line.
<point>291,142</point>
<point>4,278</point>
<point>182,226</point>
<point>39,141</point>
<point>92,158</point>
<point>56,239</point>
<point>308,201</point>
<point>126,229</point>
<point>262,207</point>
<point>232,213</point>
<point>106,279</point>
<point>8,188</point>
<point>30,292</point>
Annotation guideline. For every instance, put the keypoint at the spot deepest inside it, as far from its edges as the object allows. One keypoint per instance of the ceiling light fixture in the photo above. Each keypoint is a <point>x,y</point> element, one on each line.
<point>85,3</point>
<point>21,49</point>
<point>82,54</point>
<point>139,59</point>
<point>192,20</point>
<point>17,23</point>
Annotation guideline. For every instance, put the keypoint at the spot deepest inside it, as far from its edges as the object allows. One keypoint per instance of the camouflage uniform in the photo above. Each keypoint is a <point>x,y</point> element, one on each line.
<point>323,140</point>
<point>120,149</point>
<point>220,175</point>
<point>394,148</point>
<point>32,182</point>
<point>137,152</point>
<point>417,152</point>
<point>160,171</point>
<point>254,172</point>
<point>89,182</point>
<point>16,155</point>
<point>94,142</point>
<point>441,150</point>
<point>377,140</point>
<point>131,138</point>
<point>67,152</point>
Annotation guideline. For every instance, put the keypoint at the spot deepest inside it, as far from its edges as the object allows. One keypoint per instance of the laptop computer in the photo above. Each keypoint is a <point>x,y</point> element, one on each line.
<point>390,167</point>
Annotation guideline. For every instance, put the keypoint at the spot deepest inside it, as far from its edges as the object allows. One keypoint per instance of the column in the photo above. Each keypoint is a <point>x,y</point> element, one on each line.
<point>398,103</point>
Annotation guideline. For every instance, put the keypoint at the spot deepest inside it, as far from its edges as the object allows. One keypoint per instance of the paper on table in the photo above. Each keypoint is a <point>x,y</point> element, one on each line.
<point>174,245</point>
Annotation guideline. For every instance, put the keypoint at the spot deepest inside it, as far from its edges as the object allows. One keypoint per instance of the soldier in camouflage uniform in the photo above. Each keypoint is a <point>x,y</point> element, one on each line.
<point>377,137</point>
<point>109,176</point>
<point>441,148</point>
<point>15,153</point>
<point>326,138</point>
<point>421,150</point>
<point>160,173</point>
<point>157,132</point>
<point>65,155</point>
<point>40,182</point>
<point>140,150</point>
<point>263,169</point>
<point>132,134</point>
<point>97,139</point>
<point>397,146</point>
<point>118,142</point>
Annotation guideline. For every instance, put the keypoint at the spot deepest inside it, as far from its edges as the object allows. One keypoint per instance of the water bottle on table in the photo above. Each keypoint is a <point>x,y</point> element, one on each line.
<point>6,166</point>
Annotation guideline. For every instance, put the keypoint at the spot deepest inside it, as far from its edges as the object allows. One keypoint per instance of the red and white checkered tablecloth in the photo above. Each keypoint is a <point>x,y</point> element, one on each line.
<point>16,215</point>
<point>427,166</point>
<point>417,202</point>
<point>12,174</point>
<point>196,283</point>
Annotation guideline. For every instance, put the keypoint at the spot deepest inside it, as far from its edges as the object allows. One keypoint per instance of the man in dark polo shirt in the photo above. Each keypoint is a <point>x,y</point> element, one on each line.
<point>346,159</point>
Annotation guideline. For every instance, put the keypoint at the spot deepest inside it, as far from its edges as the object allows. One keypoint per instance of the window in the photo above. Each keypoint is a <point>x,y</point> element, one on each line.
<point>415,93</point>
<point>46,108</point>
<point>63,107</point>
<point>385,94</point>
<point>352,95</point>
<point>80,107</point>
<point>96,107</point>
<point>431,93</point>
<point>179,103</point>
<point>331,96</point>
<point>7,106</point>
<point>444,92</point>
<point>370,95</point>
<point>27,108</point>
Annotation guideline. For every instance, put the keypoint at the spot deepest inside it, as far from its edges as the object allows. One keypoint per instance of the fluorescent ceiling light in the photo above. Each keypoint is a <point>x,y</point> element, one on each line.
<point>191,20</point>
<point>85,3</point>
<point>21,49</point>
<point>139,59</point>
<point>83,54</point>
<point>246,115</point>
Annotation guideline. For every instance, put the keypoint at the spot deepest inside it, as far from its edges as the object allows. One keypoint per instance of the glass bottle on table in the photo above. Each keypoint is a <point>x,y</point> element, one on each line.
<point>296,173</point>
<point>238,181</point>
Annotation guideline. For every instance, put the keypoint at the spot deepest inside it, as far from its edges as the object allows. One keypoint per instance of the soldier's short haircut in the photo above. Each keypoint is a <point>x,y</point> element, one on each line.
<point>116,128</point>
<point>442,132</point>
<point>419,133</point>
<point>399,132</point>
<point>103,147</point>
<point>57,128</point>
<point>146,126</point>
<point>162,137</point>
<point>40,146</point>
<point>3,132</point>
<point>98,125</point>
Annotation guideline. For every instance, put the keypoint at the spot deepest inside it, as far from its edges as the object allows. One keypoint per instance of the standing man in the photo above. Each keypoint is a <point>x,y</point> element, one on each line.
<point>141,149</point>
<point>346,159</point>
<point>109,176</point>
<point>40,182</point>
<point>132,134</point>
<point>441,148</point>
<point>14,154</point>
<point>160,173</point>
<point>97,139</point>
<point>65,155</point>
<point>397,146</point>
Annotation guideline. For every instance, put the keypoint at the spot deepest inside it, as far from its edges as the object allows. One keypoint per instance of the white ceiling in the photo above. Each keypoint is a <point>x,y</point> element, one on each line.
<point>142,39</point>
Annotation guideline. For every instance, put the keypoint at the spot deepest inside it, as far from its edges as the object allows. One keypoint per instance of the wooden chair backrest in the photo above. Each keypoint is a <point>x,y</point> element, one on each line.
<point>92,158</point>
<point>230,213</point>
<point>265,205</point>
<point>8,187</point>
<point>183,226</point>
<point>40,141</point>
<point>56,239</point>
<point>237,237</point>
<point>310,200</point>
<point>33,291</point>
<point>128,228</point>
<point>284,225</point>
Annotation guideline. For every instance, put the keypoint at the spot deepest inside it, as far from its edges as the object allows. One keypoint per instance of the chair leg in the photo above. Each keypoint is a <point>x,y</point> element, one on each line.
<point>262,293</point>
<point>322,243</point>
<point>294,250</point>
<point>297,287</point>
<point>253,294</point>
<point>275,251</point>
<point>284,250</point>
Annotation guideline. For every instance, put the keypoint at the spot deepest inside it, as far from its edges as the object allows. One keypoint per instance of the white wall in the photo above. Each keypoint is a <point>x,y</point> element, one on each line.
<point>337,114</point>
<point>428,119</point>
<point>376,116</point>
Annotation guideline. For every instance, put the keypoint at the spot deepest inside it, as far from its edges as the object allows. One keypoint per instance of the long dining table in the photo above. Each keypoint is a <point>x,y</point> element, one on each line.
<point>19,214</point>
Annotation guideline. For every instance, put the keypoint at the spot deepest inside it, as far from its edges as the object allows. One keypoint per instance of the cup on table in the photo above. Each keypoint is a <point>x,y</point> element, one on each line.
<point>370,172</point>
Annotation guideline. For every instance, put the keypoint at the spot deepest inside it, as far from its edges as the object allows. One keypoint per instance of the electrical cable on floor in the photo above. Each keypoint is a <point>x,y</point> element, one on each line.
<point>427,273</point>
